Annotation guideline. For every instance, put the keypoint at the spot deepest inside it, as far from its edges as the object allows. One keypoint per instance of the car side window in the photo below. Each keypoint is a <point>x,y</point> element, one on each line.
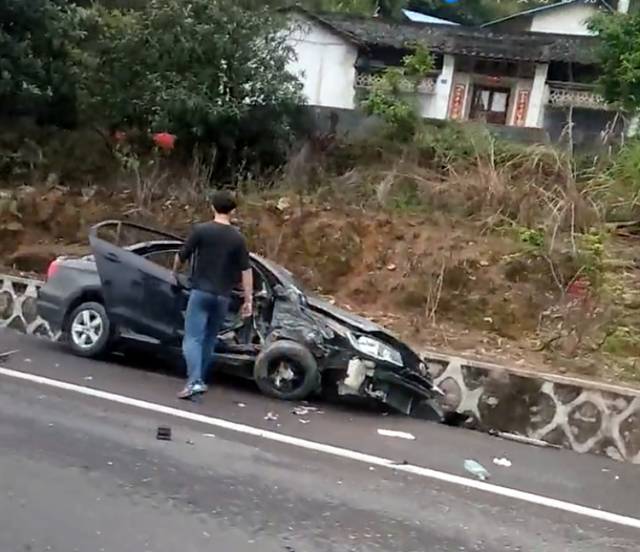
<point>165,259</point>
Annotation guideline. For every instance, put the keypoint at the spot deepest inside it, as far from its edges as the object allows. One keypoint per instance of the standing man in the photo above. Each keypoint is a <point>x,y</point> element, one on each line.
<point>220,259</point>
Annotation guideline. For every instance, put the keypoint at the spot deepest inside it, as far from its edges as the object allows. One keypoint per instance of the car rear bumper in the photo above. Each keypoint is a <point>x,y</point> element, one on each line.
<point>51,310</point>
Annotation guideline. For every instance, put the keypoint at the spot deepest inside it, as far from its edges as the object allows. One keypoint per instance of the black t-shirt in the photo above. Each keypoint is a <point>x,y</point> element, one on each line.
<point>219,257</point>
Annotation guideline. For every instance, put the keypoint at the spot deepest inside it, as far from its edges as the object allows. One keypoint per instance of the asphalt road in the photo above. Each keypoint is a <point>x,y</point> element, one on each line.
<point>81,472</point>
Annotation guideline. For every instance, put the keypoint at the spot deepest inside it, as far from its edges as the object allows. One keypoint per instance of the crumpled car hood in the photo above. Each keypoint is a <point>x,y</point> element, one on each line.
<point>346,317</point>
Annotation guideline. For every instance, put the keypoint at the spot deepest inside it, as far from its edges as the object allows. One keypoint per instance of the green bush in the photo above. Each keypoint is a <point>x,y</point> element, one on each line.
<point>36,75</point>
<point>209,72</point>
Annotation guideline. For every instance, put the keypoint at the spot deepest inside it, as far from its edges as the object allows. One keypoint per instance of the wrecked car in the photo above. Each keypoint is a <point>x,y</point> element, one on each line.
<point>295,344</point>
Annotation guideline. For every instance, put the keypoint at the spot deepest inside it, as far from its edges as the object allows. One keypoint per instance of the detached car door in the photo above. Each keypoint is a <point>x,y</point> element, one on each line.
<point>139,294</point>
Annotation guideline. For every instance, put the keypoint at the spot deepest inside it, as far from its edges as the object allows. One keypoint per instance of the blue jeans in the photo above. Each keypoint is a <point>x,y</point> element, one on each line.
<point>204,319</point>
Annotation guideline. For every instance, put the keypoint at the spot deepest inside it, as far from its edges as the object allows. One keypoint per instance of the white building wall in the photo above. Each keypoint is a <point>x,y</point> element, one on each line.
<point>570,20</point>
<point>535,113</point>
<point>325,63</point>
<point>437,106</point>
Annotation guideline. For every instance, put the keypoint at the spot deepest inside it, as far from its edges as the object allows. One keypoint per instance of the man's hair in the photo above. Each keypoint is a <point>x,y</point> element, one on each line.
<point>223,202</point>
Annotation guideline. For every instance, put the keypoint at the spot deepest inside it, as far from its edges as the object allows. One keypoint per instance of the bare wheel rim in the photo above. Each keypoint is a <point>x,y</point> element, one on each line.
<point>286,376</point>
<point>86,328</point>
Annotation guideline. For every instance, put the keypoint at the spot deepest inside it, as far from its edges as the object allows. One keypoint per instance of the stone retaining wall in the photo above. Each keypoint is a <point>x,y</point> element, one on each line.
<point>581,415</point>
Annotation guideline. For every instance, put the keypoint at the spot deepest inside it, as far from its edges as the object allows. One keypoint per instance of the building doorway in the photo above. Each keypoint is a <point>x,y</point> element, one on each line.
<point>490,104</point>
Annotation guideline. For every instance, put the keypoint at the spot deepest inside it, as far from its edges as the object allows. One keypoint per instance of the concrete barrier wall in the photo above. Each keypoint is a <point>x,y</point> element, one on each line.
<point>576,414</point>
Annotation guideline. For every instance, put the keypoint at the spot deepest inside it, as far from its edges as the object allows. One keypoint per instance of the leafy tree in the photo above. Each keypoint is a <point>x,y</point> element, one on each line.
<point>35,70</point>
<point>619,55</point>
<point>391,96</point>
<point>205,70</point>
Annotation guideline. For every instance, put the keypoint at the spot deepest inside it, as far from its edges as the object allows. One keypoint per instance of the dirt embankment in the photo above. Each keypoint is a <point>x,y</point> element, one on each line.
<point>440,285</point>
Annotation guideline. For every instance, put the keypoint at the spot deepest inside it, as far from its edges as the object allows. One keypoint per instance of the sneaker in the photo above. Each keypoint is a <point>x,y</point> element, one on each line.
<point>187,392</point>
<point>199,388</point>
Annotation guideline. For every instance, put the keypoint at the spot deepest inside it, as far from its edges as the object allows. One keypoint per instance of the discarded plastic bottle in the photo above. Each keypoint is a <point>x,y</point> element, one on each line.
<point>476,469</point>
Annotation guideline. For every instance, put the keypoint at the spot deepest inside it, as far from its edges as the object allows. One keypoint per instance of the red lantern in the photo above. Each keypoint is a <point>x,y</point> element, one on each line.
<point>164,140</point>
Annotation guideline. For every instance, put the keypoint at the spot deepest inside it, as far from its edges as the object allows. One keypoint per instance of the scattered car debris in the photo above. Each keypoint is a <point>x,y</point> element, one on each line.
<point>523,439</point>
<point>163,433</point>
<point>503,462</point>
<point>27,360</point>
<point>399,434</point>
<point>211,435</point>
<point>241,405</point>
<point>271,416</point>
<point>302,421</point>
<point>7,354</point>
<point>476,469</point>
<point>304,410</point>
<point>88,378</point>
<point>190,442</point>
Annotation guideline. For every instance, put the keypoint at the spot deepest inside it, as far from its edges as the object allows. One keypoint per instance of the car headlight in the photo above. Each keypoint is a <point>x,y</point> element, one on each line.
<point>376,349</point>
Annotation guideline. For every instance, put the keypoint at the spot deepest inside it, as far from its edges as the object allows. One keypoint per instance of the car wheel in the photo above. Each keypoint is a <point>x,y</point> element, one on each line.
<point>287,370</point>
<point>89,330</point>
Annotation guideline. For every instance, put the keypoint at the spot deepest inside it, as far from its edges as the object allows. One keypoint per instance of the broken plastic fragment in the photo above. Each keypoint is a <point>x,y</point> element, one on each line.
<point>303,410</point>
<point>399,434</point>
<point>240,405</point>
<point>209,435</point>
<point>504,462</point>
<point>163,433</point>
<point>7,354</point>
<point>271,416</point>
<point>476,469</point>
<point>304,421</point>
<point>523,439</point>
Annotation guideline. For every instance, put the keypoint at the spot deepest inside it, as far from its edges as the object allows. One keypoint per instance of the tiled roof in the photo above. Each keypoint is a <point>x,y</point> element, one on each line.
<point>472,41</point>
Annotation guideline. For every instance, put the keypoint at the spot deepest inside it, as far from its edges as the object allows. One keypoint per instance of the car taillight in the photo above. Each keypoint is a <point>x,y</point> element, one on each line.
<point>53,267</point>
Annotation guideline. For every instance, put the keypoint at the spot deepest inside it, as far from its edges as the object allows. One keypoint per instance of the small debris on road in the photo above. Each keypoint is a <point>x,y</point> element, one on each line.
<point>399,434</point>
<point>241,405</point>
<point>211,435</point>
<point>476,469</point>
<point>271,416</point>
<point>304,410</point>
<point>7,354</point>
<point>523,439</point>
<point>88,378</point>
<point>163,433</point>
<point>304,421</point>
<point>189,442</point>
<point>503,462</point>
<point>27,360</point>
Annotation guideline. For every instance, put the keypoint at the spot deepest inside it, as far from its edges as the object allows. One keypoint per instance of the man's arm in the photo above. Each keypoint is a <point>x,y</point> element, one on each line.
<point>247,288</point>
<point>185,252</point>
<point>247,282</point>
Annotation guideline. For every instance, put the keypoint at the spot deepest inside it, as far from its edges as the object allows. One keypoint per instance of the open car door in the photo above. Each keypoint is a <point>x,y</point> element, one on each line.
<point>139,295</point>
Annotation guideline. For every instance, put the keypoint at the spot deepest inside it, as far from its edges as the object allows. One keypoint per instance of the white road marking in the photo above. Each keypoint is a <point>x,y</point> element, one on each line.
<point>332,450</point>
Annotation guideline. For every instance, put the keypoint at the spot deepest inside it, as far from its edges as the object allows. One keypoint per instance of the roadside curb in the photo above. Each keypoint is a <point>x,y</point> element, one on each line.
<point>580,415</point>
